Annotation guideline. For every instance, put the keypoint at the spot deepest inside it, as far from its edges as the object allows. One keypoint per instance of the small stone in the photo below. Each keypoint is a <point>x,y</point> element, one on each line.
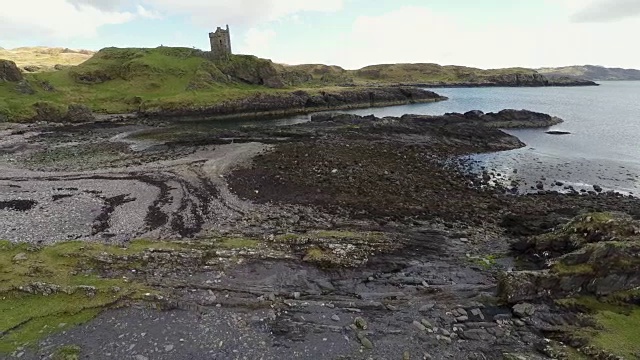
<point>335,318</point>
<point>168,348</point>
<point>502,317</point>
<point>296,295</point>
<point>20,257</point>
<point>427,307</point>
<point>464,240</point>
<point>462,318</point>
<point>446,339</point>
<point>392,307</point>
<point>478,313</point>
<point>426,323</point>
<point>272,297</point>
<point>366,343</point>
<point>360,322</point>
<point>445,332</point>
<point>406,355</point>
<point>519,323</point>
<point>141,357</point>
<point>419,326</point>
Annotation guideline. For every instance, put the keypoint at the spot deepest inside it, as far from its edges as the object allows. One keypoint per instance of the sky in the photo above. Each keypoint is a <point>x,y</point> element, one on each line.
<point>348,33</point>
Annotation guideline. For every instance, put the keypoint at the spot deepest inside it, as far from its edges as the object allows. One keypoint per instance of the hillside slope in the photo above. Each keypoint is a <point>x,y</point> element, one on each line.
<point>594,73</point>
<point>420,74</point>
<point>185,80</point>
<point>168,80</point>
<point>40,58</point>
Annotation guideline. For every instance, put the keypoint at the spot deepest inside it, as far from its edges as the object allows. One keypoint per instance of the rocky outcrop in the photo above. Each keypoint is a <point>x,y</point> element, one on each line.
<point>300,102</point>
<point>251,70</point>
<point>50,112</point>
<point>79,113</point>
<point>9,71</point>
<point>510,118</point>
<point>595,254</point>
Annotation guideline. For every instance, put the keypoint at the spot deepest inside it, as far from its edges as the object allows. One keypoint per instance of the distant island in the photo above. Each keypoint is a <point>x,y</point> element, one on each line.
<point>592,72</point>
<point>59,84</point>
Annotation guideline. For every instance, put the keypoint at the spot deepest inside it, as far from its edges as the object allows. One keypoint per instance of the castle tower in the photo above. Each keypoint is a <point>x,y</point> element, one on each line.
<point>221,43</point>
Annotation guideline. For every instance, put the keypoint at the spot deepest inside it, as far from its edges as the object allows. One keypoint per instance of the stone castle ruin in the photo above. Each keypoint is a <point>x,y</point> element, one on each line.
<point>221,43</point>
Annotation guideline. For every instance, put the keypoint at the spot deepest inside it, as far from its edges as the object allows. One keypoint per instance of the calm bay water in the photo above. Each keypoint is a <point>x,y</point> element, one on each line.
<point>604,121</point>
<point>603,147</point>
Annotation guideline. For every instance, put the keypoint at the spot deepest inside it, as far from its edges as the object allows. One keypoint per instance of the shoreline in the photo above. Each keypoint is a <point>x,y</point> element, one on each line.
<point>343,235</point>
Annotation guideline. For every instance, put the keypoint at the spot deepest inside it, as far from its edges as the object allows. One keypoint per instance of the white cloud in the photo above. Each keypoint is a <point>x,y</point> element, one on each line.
<point>607,11</point>
<point>418,34</point>
<point>55,19</point>
<point>257,41</point>
<point>149,14</point>
<point>107,5</point>
<point>241,12</point>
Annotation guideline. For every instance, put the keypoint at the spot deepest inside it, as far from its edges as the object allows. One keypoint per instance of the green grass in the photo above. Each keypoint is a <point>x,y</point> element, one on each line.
<point>562,269</point>
<point>238,243</point>
<point>617,324</point>
<point>621,333</point>
<point>344,234</point>
<point>69,352</point>
<point>126,80</point>
<point>81,292</point>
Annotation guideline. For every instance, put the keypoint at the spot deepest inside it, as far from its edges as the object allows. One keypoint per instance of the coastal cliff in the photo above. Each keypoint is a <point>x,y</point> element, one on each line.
<point>300,102</point>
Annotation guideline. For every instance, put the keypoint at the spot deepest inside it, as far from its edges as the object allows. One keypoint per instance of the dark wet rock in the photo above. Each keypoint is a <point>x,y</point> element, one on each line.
<point>524,310</point>
<point>597,188</point>
<point>478,335</point>
<point>473,114</point>
<point>558,132</point>
<point>9,71</point>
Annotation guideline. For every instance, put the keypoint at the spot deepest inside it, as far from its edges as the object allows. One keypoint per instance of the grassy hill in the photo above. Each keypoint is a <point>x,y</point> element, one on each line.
<point>594,73</point>
<point>41,58</point>
<point>121,80</point>
<point>399,74</point>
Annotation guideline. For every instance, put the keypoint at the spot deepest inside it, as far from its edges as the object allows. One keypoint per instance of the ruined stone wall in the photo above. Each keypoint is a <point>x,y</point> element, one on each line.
<point>221,43</point>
